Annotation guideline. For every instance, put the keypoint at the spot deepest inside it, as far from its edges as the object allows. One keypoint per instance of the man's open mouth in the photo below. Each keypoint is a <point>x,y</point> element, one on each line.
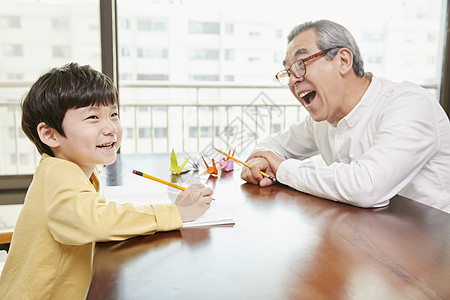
<point>308,97</point>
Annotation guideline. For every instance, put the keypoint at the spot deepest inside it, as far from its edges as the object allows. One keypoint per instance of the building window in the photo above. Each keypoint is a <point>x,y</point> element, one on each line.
<point>14,76</point>
<point>125,52</point>
<point>204,77</point>
<point>152,53</point>
<point>159,26</point>
<point>279,33</point>
<point>205,131</point>
<point>128,133</point>
<point>145,132</point>
<point>126,76</point>
<point>228,78</point>
<point>60,51</point>
<point>229,28</point>
<point>192,132</point>
<point>13,50</point>
<point>204,27</point>
<point>10,22</point>
<point>60,24</point>
<point>125,24</point>
<point>204,54</point>
<point>229,54</point>
<point>144,25</point>
<point>152,77</point>
<point>150,25</point>
<point>160,132</point>
<point>276,127</point>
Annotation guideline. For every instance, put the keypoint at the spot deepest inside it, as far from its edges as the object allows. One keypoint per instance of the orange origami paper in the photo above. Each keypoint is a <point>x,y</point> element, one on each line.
<point>210,170</point>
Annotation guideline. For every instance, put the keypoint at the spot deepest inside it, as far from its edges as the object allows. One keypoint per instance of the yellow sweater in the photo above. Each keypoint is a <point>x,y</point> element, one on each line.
<point>63,216</point>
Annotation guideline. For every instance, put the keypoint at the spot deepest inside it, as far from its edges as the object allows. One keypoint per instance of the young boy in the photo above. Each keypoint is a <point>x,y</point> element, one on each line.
<point>70,114</point>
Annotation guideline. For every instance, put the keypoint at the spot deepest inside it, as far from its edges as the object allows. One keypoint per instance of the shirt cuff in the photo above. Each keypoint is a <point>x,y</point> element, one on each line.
<point>286,171</point>
<point>167,217</point>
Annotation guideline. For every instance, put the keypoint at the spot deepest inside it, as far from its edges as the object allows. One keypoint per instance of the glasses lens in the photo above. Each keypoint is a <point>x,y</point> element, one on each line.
<point>298,68</point>
<point>283,77</point>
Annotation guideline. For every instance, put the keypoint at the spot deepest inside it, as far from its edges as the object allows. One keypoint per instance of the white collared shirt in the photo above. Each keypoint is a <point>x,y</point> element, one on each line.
<point>395,141</point>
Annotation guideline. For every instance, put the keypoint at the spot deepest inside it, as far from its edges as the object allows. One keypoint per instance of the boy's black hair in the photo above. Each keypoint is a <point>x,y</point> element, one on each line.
<point>61,89</point>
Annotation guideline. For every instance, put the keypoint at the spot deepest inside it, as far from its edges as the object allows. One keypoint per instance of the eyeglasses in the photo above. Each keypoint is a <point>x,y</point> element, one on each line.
<point>298,68</point>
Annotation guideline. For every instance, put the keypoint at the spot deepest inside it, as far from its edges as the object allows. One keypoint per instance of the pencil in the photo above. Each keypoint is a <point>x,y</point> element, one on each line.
<point>159,180</point>
<point>243,163</point>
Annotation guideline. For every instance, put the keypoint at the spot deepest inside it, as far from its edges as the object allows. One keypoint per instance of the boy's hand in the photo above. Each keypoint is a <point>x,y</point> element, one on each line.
<point>193,202</point>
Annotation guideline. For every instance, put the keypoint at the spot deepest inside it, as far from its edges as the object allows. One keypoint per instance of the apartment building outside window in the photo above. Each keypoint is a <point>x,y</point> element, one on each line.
<point>198,43</point>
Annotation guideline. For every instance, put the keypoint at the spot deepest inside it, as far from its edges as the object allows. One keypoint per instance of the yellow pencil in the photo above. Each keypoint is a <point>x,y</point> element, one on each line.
<point>159,180</point>
<point>243,163</point>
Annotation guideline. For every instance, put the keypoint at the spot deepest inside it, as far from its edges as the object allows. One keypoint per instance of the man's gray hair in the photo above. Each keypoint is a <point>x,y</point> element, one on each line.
<point>331,35</point>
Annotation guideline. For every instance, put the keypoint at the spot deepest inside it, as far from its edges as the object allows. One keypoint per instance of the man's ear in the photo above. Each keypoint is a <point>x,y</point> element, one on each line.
<point>345,60</point>
<point>48,135</point>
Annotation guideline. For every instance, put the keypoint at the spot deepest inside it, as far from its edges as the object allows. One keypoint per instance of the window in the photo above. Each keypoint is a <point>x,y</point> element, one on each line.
<point>144,25</point>
<point>10,22</point>
<point>34,37</point>
<point>152,77</point>
<point>128,133</point>
<point>152,53</point>
<point>126,76</point>
<point>60,51</point>
<point>14,76</point>
<point>125,24</point>
<point>229,54</point>
<point>204,27</point>
<point>160,132</point>
<point>125,52</point>
<point>145,132</point>
<point>192,132</point>
<point>204,54</point>
<point>151,25</point>
<point>205,131</point>
<point>13,50</point>
<point>60,24</point>
<point>229,28</point>
<point>204,78</point>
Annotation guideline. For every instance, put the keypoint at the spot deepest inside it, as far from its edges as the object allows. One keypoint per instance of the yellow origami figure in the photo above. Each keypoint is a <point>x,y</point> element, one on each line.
<point>174,167</point>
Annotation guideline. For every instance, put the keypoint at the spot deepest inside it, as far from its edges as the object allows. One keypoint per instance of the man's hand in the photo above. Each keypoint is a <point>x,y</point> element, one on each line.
<point>266,161</point>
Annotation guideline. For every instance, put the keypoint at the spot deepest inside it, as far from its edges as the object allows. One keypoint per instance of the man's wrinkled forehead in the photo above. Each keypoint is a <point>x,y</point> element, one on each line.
<point>302,44</point>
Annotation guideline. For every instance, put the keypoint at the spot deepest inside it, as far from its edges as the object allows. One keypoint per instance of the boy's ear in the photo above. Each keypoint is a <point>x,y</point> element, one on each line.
<point>48,135</point>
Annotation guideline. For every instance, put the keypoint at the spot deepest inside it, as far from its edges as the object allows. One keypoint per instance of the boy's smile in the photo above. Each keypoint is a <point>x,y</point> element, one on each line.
<point>93,135</point>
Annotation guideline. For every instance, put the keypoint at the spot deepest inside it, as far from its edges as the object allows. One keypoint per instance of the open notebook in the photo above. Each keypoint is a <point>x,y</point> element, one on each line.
<point>142,195</point>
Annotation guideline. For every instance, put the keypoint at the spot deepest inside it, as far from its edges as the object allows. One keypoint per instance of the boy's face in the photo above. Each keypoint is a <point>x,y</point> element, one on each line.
<point>93,136</point>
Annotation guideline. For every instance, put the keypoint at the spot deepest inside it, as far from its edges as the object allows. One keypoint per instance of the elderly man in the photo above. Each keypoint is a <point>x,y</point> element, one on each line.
<point>378,138</point>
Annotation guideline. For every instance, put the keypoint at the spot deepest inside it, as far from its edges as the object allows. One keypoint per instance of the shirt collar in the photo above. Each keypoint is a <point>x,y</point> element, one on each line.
<point>363,105</point>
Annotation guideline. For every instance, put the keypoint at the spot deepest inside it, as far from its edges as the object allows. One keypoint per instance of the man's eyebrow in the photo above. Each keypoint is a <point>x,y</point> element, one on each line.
<point>301,51</point>
<point>296,53</point>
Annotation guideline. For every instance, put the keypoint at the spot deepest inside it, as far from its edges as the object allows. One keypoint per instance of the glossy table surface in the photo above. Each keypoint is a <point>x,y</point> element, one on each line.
<point>284,245</point>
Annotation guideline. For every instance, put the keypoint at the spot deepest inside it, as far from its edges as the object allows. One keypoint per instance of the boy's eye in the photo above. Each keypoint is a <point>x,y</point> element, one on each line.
<point>114,115</point>
<point>92,117</point>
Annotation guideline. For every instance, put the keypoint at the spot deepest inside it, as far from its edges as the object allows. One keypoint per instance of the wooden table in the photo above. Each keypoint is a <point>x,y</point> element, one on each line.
<point>284,245</point>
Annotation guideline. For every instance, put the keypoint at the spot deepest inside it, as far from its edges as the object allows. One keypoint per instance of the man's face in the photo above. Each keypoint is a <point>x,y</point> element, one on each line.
<point>318,89</point>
